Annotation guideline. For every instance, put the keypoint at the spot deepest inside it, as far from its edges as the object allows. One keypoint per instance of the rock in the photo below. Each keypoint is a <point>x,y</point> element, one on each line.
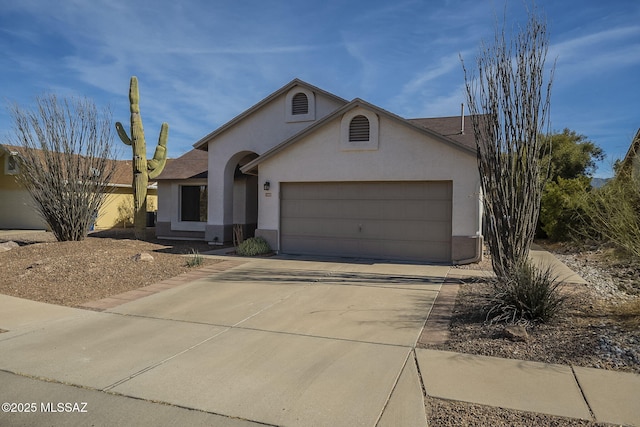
<point>516,333</point>
<point>143,256</point>
<point>36,264</point>
<point>6,246</point>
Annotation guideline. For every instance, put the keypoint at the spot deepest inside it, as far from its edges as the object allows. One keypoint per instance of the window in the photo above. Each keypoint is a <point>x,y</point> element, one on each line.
<point>359,129</point>
<point>193,203</point>
<point>299,104</point>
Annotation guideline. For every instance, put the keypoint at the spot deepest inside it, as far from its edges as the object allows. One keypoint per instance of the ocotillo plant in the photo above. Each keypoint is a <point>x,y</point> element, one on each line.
<point>143,170</point>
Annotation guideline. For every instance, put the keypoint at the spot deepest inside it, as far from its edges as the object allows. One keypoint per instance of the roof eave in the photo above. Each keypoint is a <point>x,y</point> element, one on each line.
<point>202,144</point>
<point>357,102</point>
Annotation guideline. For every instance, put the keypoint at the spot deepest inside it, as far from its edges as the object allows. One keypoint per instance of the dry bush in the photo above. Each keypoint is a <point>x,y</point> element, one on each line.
<point>613,213</point>
<point>509,105</point>
<point>66,161</point>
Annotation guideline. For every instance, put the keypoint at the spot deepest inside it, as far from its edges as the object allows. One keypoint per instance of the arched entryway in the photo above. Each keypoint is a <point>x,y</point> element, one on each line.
<point>245,200</point>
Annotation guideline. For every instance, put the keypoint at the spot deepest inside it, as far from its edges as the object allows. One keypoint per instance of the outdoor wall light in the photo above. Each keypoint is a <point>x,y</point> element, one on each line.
<point>267,186</point>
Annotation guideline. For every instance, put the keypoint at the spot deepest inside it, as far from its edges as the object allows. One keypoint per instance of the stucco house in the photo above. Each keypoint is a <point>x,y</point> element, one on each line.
<point>630,165</point>
<point>17,210</point>
<point>315,174</point>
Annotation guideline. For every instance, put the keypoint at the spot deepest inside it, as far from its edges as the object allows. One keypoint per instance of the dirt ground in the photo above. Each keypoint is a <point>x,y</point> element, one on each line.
<point>597,329</point>
<point>72,273</point>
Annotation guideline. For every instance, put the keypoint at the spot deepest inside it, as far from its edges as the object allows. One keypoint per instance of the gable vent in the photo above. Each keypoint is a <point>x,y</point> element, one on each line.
<point>359,129</point>
<point>299,104</point>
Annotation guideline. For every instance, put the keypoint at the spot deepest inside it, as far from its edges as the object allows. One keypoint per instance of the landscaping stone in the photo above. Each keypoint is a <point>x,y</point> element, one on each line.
<point>516,333</point>
<point>143,256</point>
<point>7,246</point>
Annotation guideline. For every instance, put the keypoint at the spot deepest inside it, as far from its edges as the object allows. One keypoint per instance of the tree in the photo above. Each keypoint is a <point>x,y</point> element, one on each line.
<point>66,161</point>
<point>571,156</point>
<point>509,103</point>
<point>562,208</point>
<point>572,161</point>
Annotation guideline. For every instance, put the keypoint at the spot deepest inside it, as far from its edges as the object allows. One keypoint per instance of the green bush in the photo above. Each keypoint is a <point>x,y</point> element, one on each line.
<point>529,293</point>
<point>253,246</point>
<point>562,207</point>
<point>195,259</point>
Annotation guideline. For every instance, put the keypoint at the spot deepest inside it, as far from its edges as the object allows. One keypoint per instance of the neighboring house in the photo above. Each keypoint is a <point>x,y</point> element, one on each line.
<point>120,197</point>
<point>17,210</point>
<point>630,165</point>
<point>315,174</point>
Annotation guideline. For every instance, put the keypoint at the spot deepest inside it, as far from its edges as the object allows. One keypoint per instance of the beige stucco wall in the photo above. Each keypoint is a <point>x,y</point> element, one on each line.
<point>403,154</point>
<point>16,206</point>
<point>168,202</point>
<point>108,216</point>
<point>17,210</point>
<point>256,133</point>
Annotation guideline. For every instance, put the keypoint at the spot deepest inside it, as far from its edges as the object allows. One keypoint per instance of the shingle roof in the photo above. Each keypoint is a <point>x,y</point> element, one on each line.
<point>450,127</point>
<point>191,165</point>
<point>122,174</point>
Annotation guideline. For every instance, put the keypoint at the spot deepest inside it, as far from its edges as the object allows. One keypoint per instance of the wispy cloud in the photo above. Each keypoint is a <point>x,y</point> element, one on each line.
<point>593,53</point>
<point>428,93</point>
<point>200,63</point>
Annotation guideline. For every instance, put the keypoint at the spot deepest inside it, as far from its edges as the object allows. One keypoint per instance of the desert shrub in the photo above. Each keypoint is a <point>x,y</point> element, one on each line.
<point>253,246</point>
<point>530,293</point>
<point>614,214</point>
<point>195,259</point>
<point>628,313</point>
<point>125,212</point>
<point>562,207</point>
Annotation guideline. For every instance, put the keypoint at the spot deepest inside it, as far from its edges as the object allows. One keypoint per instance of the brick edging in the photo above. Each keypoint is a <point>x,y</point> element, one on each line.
<point>436,328</point>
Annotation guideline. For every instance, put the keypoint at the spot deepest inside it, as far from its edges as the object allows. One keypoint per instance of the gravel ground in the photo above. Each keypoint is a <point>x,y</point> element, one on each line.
<point>600,328</point>
<point>71,273</point>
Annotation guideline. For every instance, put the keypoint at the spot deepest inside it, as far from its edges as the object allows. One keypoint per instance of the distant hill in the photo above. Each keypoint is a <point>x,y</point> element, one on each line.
<point>599,182</point>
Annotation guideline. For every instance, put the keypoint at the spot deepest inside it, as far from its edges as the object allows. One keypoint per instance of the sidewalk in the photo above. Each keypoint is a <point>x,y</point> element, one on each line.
<point>567,391</point>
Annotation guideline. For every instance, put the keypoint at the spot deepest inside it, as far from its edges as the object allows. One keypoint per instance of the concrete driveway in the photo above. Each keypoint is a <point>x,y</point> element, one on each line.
<point>272,341</point>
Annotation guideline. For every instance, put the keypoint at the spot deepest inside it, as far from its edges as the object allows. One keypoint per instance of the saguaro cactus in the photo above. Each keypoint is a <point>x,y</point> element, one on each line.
<point>143,170</point>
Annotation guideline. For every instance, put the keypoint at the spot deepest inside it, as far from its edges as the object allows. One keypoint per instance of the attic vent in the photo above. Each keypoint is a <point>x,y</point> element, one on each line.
<point>359,129</point>
<point>299,104</point>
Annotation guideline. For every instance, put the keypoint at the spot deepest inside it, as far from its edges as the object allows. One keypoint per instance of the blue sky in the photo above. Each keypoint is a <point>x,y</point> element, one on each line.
<point>200,63</point>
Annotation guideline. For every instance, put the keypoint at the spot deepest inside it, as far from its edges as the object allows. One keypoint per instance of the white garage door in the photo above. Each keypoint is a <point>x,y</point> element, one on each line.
<point>409,220</point>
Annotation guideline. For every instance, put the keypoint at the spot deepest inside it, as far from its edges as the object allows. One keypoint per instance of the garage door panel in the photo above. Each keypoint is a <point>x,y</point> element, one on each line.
<point>408,230</point>
<point>399,249</point>
<point>326,227</point>
<point>319,208</point>
<point>392,220</point>
<point>405,210</point>
<point>431,190</point>
<point>306,191</point>
<point>416,209</point>
<point>324,246</point>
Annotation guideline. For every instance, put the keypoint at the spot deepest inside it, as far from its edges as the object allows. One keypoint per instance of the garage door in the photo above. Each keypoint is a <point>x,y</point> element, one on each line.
<point>389,220</point>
